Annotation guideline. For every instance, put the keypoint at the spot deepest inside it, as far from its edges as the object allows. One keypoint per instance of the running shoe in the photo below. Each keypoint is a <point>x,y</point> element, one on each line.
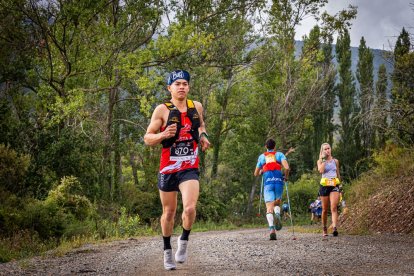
<point>325,231</point>
<point>335,232</point>
<point>278,222</point>
<point>272,235</point>
<point>169,263</point>
<point>181,254</point>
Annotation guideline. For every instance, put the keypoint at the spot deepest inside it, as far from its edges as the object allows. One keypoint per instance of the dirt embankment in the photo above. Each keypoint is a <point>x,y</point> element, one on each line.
<point>241,252</point>
<point>389,210</point>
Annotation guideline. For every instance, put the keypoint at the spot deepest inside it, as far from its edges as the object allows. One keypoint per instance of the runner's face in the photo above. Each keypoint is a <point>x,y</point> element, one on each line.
<point>179,89</point>
<point>327,150</point>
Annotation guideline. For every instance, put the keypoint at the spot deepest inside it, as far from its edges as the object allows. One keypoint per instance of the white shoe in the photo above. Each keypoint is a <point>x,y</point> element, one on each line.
<point>169,263</point>
<point>181,254</point>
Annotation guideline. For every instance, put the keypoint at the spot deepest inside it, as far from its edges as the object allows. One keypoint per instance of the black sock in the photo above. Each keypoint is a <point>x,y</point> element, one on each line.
<point>167,242</point>
<point>185,234</point>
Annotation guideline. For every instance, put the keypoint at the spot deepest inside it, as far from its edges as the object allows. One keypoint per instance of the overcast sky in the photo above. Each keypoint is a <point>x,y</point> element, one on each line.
<point>378,21</point>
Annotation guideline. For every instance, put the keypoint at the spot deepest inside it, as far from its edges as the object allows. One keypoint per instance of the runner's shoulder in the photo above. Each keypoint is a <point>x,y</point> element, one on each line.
<point>161,108</point>
<point>198,105</point>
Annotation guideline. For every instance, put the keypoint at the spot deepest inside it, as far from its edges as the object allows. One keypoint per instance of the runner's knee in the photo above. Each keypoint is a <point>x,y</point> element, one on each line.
<point>190,211</point>
<point>168,214</point>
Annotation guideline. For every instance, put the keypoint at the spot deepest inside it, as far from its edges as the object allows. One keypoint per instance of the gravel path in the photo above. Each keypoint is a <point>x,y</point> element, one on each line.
<point>240,252</point>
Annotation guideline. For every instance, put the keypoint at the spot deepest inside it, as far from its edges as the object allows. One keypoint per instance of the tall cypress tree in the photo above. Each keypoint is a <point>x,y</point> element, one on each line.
<point>365,76</point>
<point>330,92</point>
<point>381,106</point>
<point>403,89</point>
<point>348,148</point>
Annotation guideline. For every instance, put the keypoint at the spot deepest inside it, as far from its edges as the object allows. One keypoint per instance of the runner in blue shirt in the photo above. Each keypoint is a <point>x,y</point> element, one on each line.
<point>270,165</point>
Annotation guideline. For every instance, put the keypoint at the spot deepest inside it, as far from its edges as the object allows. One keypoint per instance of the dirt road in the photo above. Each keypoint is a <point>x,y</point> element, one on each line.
<point>240,252</point>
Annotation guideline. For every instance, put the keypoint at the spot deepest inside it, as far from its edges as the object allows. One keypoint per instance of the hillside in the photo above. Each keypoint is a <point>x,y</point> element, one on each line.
<point>381,201</point>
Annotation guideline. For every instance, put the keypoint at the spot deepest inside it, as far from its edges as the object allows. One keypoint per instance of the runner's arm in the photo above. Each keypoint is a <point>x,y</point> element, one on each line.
<point>321,166</point>
<point>286,167</point>
<point>337,169</point>
<point>257,171</point>
<point>205,143</point>
<point>153,136</point>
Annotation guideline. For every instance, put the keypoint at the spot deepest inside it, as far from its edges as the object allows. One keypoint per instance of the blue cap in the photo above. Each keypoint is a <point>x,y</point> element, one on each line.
<point>178,74</point>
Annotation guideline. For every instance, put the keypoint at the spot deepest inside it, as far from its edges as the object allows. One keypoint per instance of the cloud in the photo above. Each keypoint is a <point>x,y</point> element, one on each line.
<point>379,21</point>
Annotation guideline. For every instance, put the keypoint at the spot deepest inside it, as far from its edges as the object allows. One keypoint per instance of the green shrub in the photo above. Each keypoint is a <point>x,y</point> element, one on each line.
<point>210,207</point>
<point>46,218</point>
<point>125,226</point>
<point>68,196</point>
<point>146,205</point>
<point>23,244</point>
<point>393,160</point>
<point>13,169</point>
<point>302,192</point>
<point>128,225</point>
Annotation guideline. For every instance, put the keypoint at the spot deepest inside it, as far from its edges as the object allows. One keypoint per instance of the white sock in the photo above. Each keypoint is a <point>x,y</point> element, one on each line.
<point>277,210</point>
<point>269,217</point>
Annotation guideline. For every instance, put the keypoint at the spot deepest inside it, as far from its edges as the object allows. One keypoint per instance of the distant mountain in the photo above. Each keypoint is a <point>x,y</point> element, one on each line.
<point>380,57</point>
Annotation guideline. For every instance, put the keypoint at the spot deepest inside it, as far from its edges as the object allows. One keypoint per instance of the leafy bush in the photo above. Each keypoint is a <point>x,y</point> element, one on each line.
<point>125,226</point>
<point>46,218</point>
<point>128,225</point>
<point>303,192</point>
<point>23,244</point>
<point>13,168</point>
<point>146,205</point>
<point>393,160</point>
<point>68,195</point>
<point>210,207</point>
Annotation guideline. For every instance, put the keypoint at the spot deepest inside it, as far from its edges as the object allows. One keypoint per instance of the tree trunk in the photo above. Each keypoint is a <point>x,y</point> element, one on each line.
<point>218,131</point>
<point>252,194</point>
<point>134,168</point>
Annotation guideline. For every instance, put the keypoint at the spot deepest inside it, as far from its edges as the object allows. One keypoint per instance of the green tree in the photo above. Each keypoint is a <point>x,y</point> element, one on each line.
<point>365,77</point>
<point>381,106</point>
<point>349,143</point>
<point>403,90</point>
<point>319,126</point>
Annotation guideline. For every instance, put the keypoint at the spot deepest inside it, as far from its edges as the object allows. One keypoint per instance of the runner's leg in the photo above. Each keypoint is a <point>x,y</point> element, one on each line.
<point>334,199</point>
<point>190,190</point>
<point>278,186</point>
<point>269,197</point>
<point>269,213</point>
<point>169,207</point>
<point>325,206</point>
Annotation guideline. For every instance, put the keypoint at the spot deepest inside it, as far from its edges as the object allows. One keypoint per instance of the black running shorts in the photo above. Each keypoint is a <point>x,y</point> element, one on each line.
<point>170,182</point>
<point>326,190</point>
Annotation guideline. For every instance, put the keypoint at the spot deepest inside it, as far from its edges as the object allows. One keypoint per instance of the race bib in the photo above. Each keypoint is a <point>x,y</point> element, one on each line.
<point>182,151</point>
<point>270,158</point>
<point>330,182</point>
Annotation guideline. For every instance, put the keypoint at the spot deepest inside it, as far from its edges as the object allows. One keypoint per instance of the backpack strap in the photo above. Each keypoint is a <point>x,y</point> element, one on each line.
<point>173,118</point>
<point>192,113</point>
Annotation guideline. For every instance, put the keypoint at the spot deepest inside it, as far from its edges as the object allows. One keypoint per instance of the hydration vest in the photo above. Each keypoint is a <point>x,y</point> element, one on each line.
<point>175,118</point>
<point>271,163</point>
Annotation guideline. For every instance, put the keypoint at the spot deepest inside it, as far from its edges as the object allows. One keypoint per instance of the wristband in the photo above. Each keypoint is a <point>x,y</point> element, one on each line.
<point>203,133</point>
